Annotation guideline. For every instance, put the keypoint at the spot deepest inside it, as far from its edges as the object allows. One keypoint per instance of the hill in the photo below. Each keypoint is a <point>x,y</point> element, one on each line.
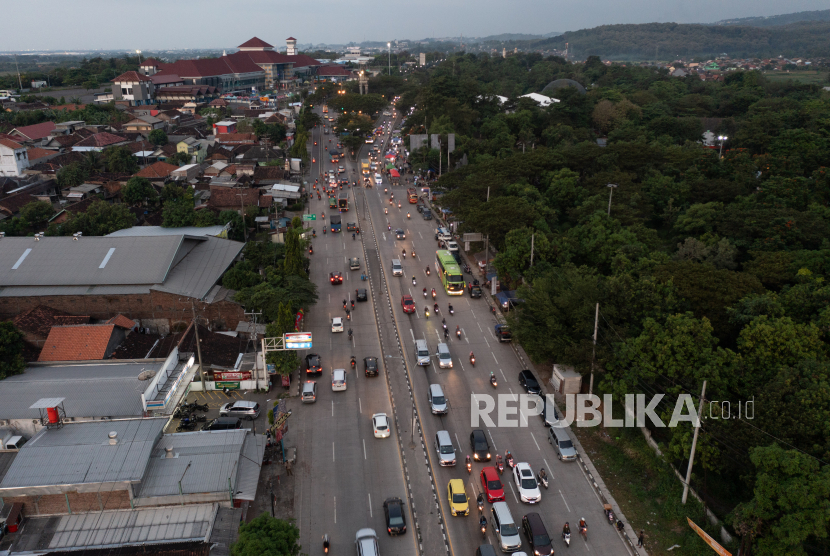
<point>777,20</point>
<point>651,41</point>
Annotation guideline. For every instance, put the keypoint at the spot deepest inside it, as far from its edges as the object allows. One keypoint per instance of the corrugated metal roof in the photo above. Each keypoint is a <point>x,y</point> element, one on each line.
<point>148,231</point>
<point>213,457</point>
<point>197,273</point>
<point>80,453</point>
<point>249,467</point>
<point>104,390</point>
<point>152,525</point>
<point>36,291</point>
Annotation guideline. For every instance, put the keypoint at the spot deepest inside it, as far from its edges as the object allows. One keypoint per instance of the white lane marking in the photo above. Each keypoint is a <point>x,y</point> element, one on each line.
<point>488,343</point>
<point>419,233</point>
<point>534,441</point>
<point>332,452</point>
<point>335,508</point>
<point>332,408</point>
<point>462,365</point>
<point>514,493</point>
<point>493,441</point>
<point>370,504</point>
<point>460,449</point>
<point>360,403</point>
<point>413,335</point>
<point>364,449</point>
<point>502,374</point>
<point>550,469</point>
<point>565,501</point>
<point>494,356</point>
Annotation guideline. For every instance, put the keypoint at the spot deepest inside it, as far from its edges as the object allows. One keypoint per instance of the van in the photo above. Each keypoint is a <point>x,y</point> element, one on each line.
<point>444,449</point>
<point>397,267</point>
<point>354,263</point>
<point>437,401</point>
<point>421,352</point>
<point>309,394</point>
<point>505,529</point>
<point>427,214</point>
<point>17,442</point>
<point>442,234</point>
<point>223,424</point>
<point>562,443</point>
<point>444,358</point>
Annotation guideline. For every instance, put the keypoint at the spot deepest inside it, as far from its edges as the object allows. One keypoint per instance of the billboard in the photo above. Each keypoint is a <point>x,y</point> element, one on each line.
<point>417,141</point>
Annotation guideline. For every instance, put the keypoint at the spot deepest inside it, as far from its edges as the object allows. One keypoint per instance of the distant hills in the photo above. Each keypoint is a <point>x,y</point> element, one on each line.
<point>777,20</point>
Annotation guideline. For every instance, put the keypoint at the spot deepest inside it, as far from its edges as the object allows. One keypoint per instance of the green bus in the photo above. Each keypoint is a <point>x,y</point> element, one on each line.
<point>449,272</point>
<point>332,202</point>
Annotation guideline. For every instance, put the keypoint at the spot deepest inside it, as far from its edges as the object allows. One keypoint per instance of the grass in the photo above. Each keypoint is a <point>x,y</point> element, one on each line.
<point>647,491</point>
<point>812,77</point>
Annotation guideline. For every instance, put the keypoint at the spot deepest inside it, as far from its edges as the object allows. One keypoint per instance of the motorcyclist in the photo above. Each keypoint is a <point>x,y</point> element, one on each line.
<point>480,499</point>
<point>566,530</point>
<point>582,524</point>
<point>482,521</point>
<point>542,473</point>
<point>352,236</point>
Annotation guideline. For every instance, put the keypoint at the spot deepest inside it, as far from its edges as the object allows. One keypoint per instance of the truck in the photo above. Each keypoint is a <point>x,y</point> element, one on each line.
<point>364,166</point>
<point>335,224</point>
<point>474,288</point>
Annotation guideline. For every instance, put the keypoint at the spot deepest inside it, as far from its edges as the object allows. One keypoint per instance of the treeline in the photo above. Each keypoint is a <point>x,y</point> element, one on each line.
<point>707,268</point>
<point>652,41</point>
<point>89,73</point>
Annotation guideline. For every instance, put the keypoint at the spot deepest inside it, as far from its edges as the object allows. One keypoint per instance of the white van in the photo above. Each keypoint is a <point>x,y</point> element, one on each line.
<point>397,267</point>
<point>505,528</point>
<point>444,448</point>
<point>422,352</point>
<point>437,400</point>
<point>444,357</point>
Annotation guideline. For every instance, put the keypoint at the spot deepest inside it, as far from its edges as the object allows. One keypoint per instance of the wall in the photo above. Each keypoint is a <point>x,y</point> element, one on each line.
<point>159,308</point>
<point>85,502</point>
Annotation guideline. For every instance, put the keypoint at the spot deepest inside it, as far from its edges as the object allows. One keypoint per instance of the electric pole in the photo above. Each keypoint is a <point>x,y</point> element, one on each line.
<point>694,445</point>
<point>198,345</point>
<point>242,204</point>
<point>594,353</point>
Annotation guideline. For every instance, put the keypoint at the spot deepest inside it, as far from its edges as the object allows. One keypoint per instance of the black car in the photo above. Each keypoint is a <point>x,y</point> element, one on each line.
<point>313,363</point>
<point>361,295</point>
<point>537,535</point>
<point>479,445</point>
<point>399,234</point>
<point>336,277</point>
<point>529,381</point>
<point>370,366</point>
<point>351,226</point>
<point>395,516</point>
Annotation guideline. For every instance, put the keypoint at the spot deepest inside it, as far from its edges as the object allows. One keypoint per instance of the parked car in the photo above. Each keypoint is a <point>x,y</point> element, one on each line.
<point>529,382</point>
<point>241,409</point>
<point>503,332</point>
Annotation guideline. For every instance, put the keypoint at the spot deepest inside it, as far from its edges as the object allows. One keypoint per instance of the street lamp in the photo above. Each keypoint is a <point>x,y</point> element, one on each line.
<point>139,57</point>
<point>389,46</point>
<point>721,138</point>
<point>611,187</point>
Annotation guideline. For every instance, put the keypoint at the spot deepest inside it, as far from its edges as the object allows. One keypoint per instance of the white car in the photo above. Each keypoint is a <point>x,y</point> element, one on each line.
<point>338,380</point>
<point>337,324</point>
<point>526,483</point>
<point>378,177</point>
<point>380,424</point>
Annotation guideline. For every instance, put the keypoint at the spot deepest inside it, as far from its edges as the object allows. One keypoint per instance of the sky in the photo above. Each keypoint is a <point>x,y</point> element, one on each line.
<point>176,24</point>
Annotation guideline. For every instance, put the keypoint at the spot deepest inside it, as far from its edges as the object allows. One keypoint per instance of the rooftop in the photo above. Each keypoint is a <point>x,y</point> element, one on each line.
<point>83,454</point>
<point>82,342</point>
<point>150,231</point>
<point>157,170</point>
<point>34,132</point>
<point>131,77</point>
<point>255,43</point>
<point>105,389</point>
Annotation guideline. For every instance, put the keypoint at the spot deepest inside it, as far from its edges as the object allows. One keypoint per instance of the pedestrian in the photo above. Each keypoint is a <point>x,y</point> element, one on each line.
<point>288,470</point>
<point>640,539</point>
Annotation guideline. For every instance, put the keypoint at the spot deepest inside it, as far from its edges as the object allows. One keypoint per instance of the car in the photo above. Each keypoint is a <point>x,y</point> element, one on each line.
<point>338,380</point>
<point>397,268</point>
<point>502,330</point>
<point>399,234</point>
<point>380,425</point>
<point>309,394</point>
<point>366,542</point>
<point>339,145</point>
<point>354,263</point>
<point>457,497</point>
<point>407,304</point>
<point>491,484</point>
<point>240,408</point>
<point>313,364</point>
<point>529,382</point>
<point>351,227</point>
<point>370,140</point>
<point>395,516</point>
<point>526,483</point>
<point>479,445</point>
<point>223,424</point>
<point>361,295</point>
<point>336,277</point>
<point>337,324</point>
<point>370,366</point>
<point>537,535</point>
<point>341,169</point>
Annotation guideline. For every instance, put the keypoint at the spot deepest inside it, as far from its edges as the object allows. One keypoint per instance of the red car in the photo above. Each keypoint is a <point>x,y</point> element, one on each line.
<point>407,304</point>
<point>336,277</point>
<point>491,484</point>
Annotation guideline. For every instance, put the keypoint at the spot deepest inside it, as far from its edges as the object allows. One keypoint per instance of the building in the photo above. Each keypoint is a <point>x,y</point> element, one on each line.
<point>196,148</point>
<point>151,280</point>
<point>99,142</point>
<point>133,89</point>
<point>275,65</point>
<point>33,133</point>
<point>158,171</point>
<point>13,158</point>
<point>84,342</point>
<point>291,47</point>
<point>144,124</point>
<point>227,73</point>
<point>225,126</point>
<point>335,74</point>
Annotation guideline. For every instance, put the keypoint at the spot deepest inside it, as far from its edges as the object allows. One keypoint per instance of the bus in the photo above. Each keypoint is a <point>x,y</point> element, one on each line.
<point>449,272</point>
<point>413,195</point>
<point>343,202</point>
<point>335,224</point>
<point>332,202</point>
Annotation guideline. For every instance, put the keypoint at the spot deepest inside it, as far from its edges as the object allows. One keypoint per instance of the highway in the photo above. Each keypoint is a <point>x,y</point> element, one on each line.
<point>335,429</point>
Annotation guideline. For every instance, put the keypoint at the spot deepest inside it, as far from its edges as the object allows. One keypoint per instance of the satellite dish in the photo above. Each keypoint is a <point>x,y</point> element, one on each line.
<point>146,375</point>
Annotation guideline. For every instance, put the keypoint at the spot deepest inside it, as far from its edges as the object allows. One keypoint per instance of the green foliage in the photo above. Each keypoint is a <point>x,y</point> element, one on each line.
<point>367,104</point>
<point>179,158</point>
<point>72,175</point>
<point>179,208</point>
<point>236,231</point>
<point>99,219</point>
<point>120,159</point>
<point>267,536</point>
<point>243,275</point>
<point>37,213</point>
<point>11,350</point>
<point>204,218</point>
<point>157,137</point>
<point>285,362</point>
<point>294,253</point>
<point>138,191</point>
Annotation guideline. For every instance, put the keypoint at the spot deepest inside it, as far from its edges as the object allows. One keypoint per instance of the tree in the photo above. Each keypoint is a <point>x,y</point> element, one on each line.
<point>89,85</point>
<point>790,503</point>
<point>294,258</point>
<point>204,218</point>
<point>121,160</point>
<point>285,362</point>
<point>11,350</point>
<point>37,213</point>
<point>138,190</point>
<point>233,218</point>
<point>267,536</point>
<point>99,219</point>
<point>158,137</point>
<point>179,158</point>
<point>72,175</point>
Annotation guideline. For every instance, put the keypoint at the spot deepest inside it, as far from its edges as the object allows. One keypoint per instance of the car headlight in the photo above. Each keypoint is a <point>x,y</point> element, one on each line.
<point>488,455</point>
<point>475,456</point>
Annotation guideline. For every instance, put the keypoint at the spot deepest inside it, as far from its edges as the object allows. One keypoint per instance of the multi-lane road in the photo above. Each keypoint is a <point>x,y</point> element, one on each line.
<point>345,473</point>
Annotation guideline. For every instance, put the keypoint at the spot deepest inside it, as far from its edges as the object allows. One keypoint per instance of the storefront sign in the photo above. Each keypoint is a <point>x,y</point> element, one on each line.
<point>229,385</point>
<point>232,375</point>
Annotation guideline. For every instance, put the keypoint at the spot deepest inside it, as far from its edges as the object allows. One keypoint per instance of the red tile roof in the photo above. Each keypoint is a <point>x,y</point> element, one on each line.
<point>333,71</point>
<point>237,138</point>
<point>150,63</point>
<point>219,102</point>
<point>12,204</point>
<point>77,343</point>
<point>39,320</point>
<point>264,56</point>
<point>210,67</point>
<point>163,79</point>
<point>69,107</point>
<point>157,170</point>
<point>131,77</point>
<point>122,321</point>
<point>255,43</point>
<point>10,144</point>
<point>103,139</point>
<point>291,39</point>
<point>227,197</point>
<point>36,153</point>
<point>301,61</point>
<point>34,132</point>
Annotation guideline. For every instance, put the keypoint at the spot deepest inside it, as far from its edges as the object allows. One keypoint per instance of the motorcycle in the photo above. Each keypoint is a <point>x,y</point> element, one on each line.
<point>425,293</point>
<point>483,525</point>
<point>446,334</point>
<point>404,254</point>
<point>413,253</point>
<point>350,333</point>
<point>326,544</point>
<point>199,406</point>
<point>426,312</point>
<point>433,293</point>
<point>427,271</point>
<point>493,380</point>
<point>353,362</point>
<point>324,231</point>
<point>186,426</point>
<point>313,233</point>
<point>451,310</point>
<point>609,513</point>
<point>480,503</point>
<point>472,359</point>
<point>413,280</point>
<point>435,308</point>
<point>499,464</point>
<point>407,215</point>
<point>467,269</point>
<point>352,304</point>
<point>386,211</point>
<point>399,204</point>
<point>469,465</point>
<point>348,315</point>
<point>508,457</point>
<point>583,530</point>
<point>457,332</point>
<point>542,479</point>
<point>567,538</point>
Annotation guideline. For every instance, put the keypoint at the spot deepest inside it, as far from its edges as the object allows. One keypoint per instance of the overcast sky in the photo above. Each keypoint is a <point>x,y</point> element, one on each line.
<point>173,24</point>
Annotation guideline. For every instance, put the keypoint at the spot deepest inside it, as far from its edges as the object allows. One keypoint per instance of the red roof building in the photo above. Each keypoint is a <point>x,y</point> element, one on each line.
<point>31,133</point>
<point>157,171</point>
<point>236,138</point>
<point>255,44</point>
<point>99,142</point>
<point>133,89</point>
<point>85,342</point>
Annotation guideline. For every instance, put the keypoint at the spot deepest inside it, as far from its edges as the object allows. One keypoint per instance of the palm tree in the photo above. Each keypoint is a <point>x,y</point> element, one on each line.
<point>92,162</point>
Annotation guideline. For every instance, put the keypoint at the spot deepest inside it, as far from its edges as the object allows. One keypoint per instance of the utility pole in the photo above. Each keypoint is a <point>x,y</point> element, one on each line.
<point>594,353</point>
<point>242,204</point>
<point>694,445</point>
<point>611,187</point>
<point>487,254</point>
<point>198,345</point>
<point>532,237</point>
<point>250,339</point>
<point>19,82</point>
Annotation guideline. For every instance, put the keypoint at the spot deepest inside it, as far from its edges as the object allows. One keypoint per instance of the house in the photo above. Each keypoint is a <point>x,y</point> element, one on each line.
<point>84,342</point>
<point>269,175</point>
<point>81,192</point>
<point>13,158</point>
<point>225,126</point>
<point>71,209</point>
<point>32,133</point>
<point>195,148</point>
<point>149,66</point>
<point>187,93</point>
<point>99,142</point>
<point>158,171</point>
<point>219,103</point>
<point>151,280</point>
<point>133,89</point>
<point>144,124</point>
<point>236,138</point>
<point>166,80</point>
<point>11,205</point>
<point>186,172</point>
<point>36,323</point>
<point>232,198</point>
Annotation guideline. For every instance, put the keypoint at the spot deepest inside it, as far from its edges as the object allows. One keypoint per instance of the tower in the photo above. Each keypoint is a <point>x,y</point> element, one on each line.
<point>291,46</point>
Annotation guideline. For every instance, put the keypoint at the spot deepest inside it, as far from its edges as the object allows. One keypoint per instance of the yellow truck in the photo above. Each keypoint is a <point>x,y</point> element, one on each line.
<point>364,166</point>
